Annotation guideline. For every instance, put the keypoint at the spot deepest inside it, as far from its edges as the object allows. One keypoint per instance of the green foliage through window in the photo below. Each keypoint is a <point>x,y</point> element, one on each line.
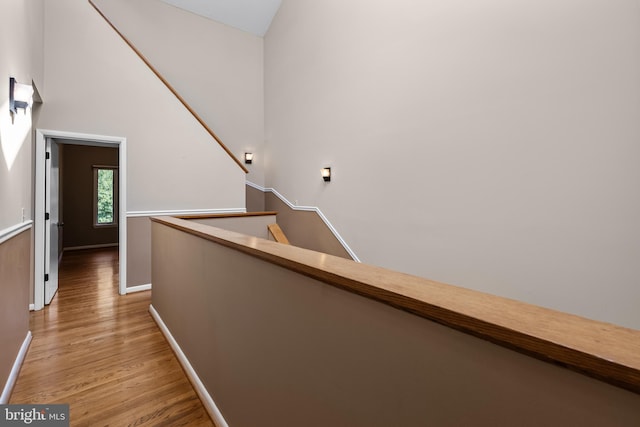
<point>105,196</point>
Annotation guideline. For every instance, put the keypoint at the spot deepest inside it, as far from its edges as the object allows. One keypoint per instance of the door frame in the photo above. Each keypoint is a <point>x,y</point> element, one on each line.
<point>39,221</point>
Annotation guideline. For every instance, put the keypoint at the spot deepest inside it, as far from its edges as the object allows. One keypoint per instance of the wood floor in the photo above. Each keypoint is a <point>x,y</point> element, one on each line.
<point>103,354</point>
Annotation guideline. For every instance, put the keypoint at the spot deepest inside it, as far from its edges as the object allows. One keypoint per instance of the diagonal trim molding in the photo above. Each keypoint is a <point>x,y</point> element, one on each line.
<point>308,209</point>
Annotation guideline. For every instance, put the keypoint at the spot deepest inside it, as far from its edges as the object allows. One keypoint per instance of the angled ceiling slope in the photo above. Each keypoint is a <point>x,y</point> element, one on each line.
<point>253,16</point>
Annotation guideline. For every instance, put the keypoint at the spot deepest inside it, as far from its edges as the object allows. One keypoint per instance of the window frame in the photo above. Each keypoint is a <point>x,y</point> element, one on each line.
<point>96,169</point>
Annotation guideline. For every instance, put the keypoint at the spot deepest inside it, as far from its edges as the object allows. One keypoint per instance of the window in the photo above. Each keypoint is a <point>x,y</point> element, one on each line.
<point>105,196</point>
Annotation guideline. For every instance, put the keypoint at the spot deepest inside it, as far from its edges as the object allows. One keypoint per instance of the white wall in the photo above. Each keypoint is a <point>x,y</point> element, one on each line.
<point>21,56</point>
<point>217,69</point>
<point>489,144</point>
<point>97,85</point>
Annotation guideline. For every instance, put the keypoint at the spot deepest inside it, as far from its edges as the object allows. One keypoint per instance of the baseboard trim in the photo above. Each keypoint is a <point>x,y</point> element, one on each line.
<point>200,389</point>
<point>32,307</point>
<point>15,370</point>
<point>135,214</point>
<point>315,209</point>
<point>139,288</point>
<point>13,231</point>
<point>80,248</point>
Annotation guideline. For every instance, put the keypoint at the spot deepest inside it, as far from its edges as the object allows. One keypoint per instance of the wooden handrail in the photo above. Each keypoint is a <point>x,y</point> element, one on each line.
<point>278,234</point>
<point>226,215</point>
<point>601,350</point>
<point>171,89</point>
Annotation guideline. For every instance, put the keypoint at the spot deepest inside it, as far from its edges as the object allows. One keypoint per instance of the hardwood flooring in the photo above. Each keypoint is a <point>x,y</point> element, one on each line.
<point>103,354</point>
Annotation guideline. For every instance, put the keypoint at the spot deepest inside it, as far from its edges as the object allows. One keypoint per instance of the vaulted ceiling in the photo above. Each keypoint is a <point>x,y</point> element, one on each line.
<point>253,16</point>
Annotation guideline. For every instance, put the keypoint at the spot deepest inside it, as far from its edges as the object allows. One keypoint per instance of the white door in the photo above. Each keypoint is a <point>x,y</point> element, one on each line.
<point>52,191</point>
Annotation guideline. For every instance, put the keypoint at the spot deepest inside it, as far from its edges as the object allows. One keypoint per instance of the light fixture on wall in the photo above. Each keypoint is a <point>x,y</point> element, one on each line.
<point>248,158</point>
<point>20,96</point>
<point>326,174</point>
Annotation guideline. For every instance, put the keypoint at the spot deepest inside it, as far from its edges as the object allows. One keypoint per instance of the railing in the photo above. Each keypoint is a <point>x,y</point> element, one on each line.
<point>604,351</point>
<point>269,336</point>
<point>171,88</point>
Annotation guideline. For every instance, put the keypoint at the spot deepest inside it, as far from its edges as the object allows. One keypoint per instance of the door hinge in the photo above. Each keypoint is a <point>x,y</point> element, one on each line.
<point>47,155</point>
<point>46,277</point>
<point>46,216</point>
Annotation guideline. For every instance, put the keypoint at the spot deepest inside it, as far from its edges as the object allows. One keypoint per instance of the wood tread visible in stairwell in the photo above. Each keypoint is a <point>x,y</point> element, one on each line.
<point>278,234</point>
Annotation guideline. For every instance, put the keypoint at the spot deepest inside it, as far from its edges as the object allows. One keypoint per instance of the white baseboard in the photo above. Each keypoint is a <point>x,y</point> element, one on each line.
<point>15,370</point>
<point>309,209</point>
<point>139,288</point>
<point>201,390</point>
<point>32,307</point>
<point>79,248</point>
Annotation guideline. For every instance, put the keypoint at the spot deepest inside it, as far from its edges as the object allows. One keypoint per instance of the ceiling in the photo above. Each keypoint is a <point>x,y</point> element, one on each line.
<point>253,16</point>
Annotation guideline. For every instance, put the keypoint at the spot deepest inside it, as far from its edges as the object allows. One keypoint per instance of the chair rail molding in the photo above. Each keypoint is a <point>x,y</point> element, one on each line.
<point>180,212</point>
<point>315,209</point>
<point>10,232</point>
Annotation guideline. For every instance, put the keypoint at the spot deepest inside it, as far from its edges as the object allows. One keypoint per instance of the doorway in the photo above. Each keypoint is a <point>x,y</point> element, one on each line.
<point>46,259</point>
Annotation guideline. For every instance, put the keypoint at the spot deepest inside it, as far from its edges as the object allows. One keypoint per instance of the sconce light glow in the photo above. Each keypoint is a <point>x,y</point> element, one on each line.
<point>13,134</point>
<point>326,174</point>
<point>248,158</point>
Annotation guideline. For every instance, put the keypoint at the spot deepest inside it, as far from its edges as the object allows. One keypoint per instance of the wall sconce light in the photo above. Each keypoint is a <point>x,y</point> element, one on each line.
<point>326,174</point>
<point>248,158</point>
<point>20,96</point>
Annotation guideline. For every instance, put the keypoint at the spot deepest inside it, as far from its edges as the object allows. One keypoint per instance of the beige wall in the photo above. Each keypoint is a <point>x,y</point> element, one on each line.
<point>78,193</point>
<point>170,156</point>
<point>254,199</point>
<point>251,225</point>
<point>299,352</point>
<point>15,263</point>
<point>305,229</point>
<point>97,85</point>
<point>489,145</point>
<point>138,251</point>
<point>21,56</point>
<point>139,241</point>
<point>216,68</point>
